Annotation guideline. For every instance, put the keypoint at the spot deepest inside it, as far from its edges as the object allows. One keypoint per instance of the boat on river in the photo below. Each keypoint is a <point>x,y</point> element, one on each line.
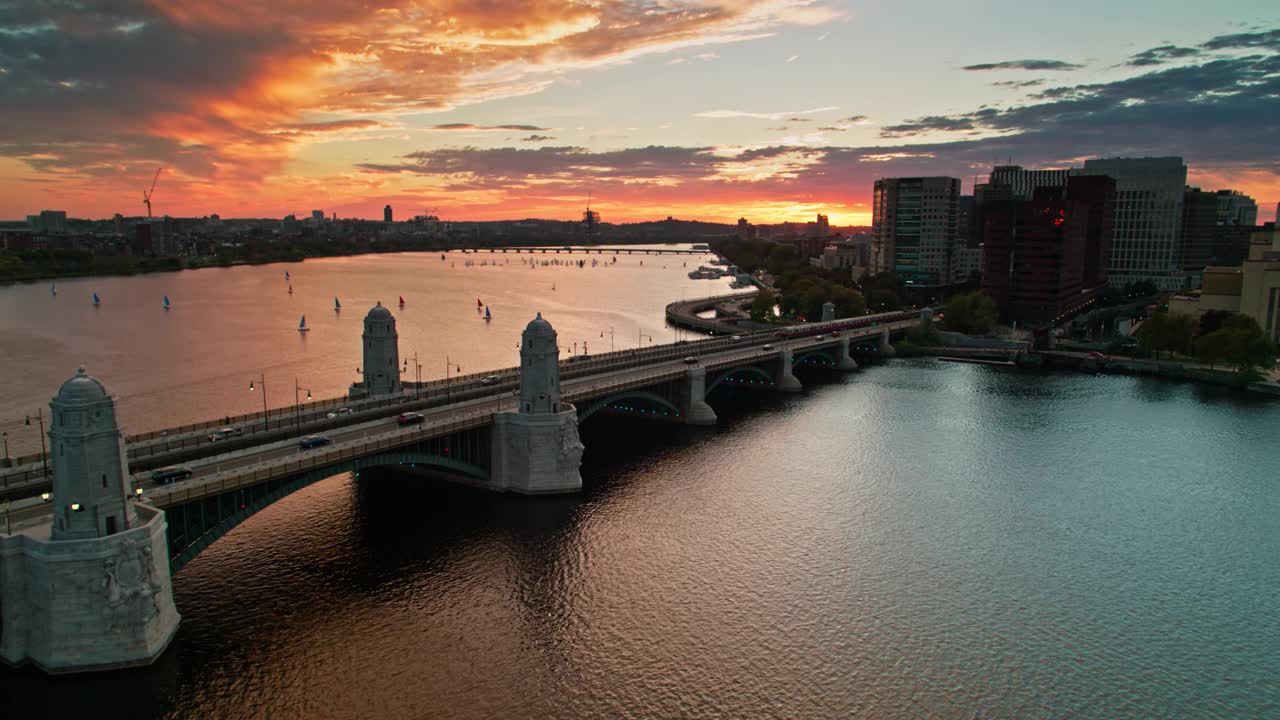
<point>302,325</point>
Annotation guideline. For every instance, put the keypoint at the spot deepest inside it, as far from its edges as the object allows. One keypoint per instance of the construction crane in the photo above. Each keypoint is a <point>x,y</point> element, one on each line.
<point>146,194</point>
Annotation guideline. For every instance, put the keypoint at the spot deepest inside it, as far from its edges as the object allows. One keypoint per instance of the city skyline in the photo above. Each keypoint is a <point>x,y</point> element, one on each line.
<point>774,110</point>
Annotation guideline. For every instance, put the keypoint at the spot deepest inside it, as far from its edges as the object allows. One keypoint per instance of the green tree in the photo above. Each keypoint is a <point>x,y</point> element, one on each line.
<point>1164,331</point>
<point>924,334</point>
<point>1239,342</point>
<point>973,313</point>
<point>762,306</point>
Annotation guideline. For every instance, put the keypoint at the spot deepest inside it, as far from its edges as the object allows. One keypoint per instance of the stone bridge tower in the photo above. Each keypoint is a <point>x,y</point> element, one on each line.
<point>381,353</point>
<point>536,449</point>
<point>95,595</point>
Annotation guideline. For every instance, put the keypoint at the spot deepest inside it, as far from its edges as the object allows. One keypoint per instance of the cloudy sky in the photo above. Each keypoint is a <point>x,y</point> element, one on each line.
<point>701,109</point>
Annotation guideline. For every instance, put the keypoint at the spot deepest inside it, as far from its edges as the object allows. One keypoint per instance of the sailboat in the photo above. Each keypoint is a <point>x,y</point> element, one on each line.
<point>96,301</point>
<point>487,316</point>
<point>166,302</point>
<point>479,304</point>
<point>302,325</point>
<point>401,301</point>
<point>337,306</point>
<point>286,276</point>
<point>53,289</point>
<point>553,286</point>
<point>290,289</point>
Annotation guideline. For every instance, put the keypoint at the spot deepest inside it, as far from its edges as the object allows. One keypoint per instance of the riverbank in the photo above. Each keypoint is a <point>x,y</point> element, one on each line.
<point>1007,354</point>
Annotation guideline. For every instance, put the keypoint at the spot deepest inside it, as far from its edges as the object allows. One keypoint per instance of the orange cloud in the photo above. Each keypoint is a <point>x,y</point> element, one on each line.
<point>224,92</point>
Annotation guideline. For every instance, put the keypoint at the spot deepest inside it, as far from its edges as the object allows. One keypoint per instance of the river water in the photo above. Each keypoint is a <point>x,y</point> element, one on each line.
<point>916,540</point>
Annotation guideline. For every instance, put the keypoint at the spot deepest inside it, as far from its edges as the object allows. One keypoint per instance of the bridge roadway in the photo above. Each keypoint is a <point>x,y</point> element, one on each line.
<point>191,442</point>
<point>218,473</point>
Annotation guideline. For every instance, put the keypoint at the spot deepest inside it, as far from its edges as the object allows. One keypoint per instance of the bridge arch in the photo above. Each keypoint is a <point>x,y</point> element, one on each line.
<point>745,370</point>
<point>628,395</point>
<point>828,353</point>
<point>196,525</point>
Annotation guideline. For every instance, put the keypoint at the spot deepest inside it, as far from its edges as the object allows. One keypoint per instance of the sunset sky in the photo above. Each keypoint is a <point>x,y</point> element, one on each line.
<point>711,110</point>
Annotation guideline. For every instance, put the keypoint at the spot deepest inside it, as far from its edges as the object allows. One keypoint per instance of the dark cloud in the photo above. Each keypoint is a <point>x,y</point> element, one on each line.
<point>504,165</point>
<point>832,128</point>
<point>854,119</point>
<point>799,119</point>
<point>1025,65</point>
<point>1018,83</point>
<point>1160,55</point>
<point>1267,39</point>
<point>469,126</point>
<point>335,126</point>
<point>536,138</point>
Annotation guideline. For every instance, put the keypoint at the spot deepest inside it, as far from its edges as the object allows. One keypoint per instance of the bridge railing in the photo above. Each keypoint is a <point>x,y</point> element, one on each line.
<point>237,479</point>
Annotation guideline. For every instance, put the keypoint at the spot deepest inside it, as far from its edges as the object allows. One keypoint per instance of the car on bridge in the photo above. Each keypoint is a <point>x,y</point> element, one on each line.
<point>766,347</point>
<point>313,441</point>
<point>491,380</point>
<point>691,360</point>
<point>410,419</point>
<point>225,433</point>
<point>172,473</point>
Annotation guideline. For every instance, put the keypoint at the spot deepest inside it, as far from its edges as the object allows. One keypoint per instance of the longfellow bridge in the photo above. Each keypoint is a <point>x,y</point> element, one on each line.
<point>513,430</point>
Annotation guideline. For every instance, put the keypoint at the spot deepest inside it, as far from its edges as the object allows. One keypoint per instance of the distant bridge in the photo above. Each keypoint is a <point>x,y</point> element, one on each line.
<point>589,251</point>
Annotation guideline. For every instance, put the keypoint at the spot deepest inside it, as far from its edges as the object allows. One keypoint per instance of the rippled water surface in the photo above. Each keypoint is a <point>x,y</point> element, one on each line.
<point>917,540</point>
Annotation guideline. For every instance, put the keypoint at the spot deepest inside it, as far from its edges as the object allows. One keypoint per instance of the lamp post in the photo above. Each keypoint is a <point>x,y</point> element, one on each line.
<point>640,337</point>
<point>6,448</point>
<point>610,338</point>
<point>262,383</point>
<point>448,365</point>
<point>417,384</point>
<point>297,406</point>
<point>44,454</point>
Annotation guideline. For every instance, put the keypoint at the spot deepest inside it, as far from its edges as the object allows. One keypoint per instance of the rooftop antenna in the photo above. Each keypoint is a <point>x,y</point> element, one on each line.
<point>146,194</point>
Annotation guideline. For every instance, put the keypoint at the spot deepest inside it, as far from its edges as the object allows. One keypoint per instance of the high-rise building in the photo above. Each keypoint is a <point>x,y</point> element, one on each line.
<point>745,230</point>
<point>1024,182</point>
<point>386,214</point>
<point>1045,258</point>
<point>1147,244</point>
<point>913,229</point>
<point>967,234</point>
<point>317,217</point>
<point>591,225</point>
<point>1236,208</point>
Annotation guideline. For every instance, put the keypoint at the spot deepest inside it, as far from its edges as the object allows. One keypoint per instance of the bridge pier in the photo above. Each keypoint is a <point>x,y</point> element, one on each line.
<point>846,361</point>
<point>886,348</point>
<point>696,410</point>
<point>787,381</point>
<point>536,449</point>
<point>828,311</point>
<point>96,594</point>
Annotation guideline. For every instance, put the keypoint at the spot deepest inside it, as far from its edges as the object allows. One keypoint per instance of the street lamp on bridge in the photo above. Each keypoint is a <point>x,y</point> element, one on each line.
<point>262,383</point>
<point>610,338</point>
<point>297,406</point>
<point>44,454</point>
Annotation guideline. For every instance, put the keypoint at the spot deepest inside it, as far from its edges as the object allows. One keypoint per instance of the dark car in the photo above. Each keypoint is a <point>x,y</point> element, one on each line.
<point>313,441</point>
<point>410,419</point>
<point>173,473</point>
